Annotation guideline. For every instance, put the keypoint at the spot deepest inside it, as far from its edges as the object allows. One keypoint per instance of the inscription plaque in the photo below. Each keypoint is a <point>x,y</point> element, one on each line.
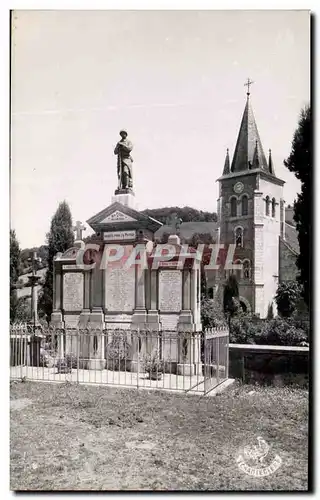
<point>170,291</point>
<point>120,289</point>
<point>73,291</point>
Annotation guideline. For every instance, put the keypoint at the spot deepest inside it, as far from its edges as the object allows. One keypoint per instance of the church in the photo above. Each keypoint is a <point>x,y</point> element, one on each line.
<point>252,215</point>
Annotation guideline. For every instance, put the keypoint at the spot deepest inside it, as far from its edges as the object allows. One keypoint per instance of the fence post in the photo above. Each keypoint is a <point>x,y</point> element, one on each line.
<point>227,357</point>
<point>242,367</point>
<point>138,358</point>
<point>205,361</point>
<point>78,338</point>
<point>218,358</point>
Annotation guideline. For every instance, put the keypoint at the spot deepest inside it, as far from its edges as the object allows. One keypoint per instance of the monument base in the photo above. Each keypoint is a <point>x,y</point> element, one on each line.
<point>185,322</point>
<point>185,369</point>
<point>84,319</point>
<point>96,364</point>
<point>125,197</point>
<point>153,320</point>
<point>97,319</point>
<point>57,319</point>
<point>139,319</point>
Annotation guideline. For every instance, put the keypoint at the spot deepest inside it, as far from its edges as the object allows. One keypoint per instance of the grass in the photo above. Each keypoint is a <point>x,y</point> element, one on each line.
<point>73,437</point>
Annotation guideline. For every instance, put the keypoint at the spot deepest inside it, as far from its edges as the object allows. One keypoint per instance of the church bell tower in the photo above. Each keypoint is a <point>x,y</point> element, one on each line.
<point>250,208</point>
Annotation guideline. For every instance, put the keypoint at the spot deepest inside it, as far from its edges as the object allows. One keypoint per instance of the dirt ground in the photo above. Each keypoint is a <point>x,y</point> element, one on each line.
<point>80,437</point>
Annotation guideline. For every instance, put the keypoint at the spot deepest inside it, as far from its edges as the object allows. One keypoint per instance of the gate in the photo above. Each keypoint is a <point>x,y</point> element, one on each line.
<point>215,357</point>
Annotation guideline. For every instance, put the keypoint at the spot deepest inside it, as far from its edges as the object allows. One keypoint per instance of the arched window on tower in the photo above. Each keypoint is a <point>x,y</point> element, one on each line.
<point>239,237</point>
<point>267,206</point>
<point>233,202</point>
<point>273,207</point>
<point>244,205</point>
<point>246,269</point>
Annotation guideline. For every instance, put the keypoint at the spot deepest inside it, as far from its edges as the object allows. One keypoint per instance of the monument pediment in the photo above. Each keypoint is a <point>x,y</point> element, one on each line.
<point>117,216</point>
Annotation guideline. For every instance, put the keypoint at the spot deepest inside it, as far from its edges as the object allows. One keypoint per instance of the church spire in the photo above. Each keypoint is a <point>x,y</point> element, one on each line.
<point>248,151</point>
<point>226,169</point>
<point>255,159</point>
<point>270,163</point>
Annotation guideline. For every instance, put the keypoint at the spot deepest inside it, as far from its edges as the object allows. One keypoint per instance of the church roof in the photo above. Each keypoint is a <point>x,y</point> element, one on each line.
<point>291,238</point>
<point>226,169</point>
<point>189,229</point>
<point>248,152</point>
<point>289,214</point>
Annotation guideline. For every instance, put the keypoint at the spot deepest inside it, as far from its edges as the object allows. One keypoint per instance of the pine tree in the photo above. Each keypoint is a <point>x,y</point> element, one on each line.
<point>59,239</point>
<point>14,272</point>
<point>299,162</point>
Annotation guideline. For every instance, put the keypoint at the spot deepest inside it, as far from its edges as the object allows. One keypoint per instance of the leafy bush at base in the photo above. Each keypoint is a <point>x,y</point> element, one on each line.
<point>277,331</point>
<point>211,315</point>
<point>244,330</point>
<point>281,332</point>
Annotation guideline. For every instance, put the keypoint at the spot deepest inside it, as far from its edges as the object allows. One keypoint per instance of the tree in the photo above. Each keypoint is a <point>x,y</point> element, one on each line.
<point>59,239</point>
<point>231,304</point>
<point>299,162</point>
<point>14,272</point>
<point>287,297</point>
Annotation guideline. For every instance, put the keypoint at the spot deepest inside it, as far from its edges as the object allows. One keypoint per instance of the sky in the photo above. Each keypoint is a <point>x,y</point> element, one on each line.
<point>173,79</point>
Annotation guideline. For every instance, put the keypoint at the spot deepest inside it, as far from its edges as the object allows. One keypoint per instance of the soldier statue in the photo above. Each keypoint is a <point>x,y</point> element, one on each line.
<point>124,165</point>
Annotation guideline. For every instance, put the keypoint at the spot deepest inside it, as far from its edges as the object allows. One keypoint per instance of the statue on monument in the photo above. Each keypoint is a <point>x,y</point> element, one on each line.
<point>124,165</point>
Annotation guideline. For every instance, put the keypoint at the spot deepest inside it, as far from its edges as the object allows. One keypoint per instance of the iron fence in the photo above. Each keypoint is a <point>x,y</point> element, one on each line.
<point>167,360</point>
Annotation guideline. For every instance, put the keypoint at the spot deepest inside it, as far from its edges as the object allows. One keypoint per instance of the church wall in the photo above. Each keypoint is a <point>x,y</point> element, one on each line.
<point>229,224</point>
<point>288,270</point>
<point>271,232</point>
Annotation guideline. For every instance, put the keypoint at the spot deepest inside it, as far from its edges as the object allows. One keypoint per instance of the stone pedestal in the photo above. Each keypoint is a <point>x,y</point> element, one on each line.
<point>96,359</point>
<point>57,319</point>
<point>153,320</point>
<point>124,197</point>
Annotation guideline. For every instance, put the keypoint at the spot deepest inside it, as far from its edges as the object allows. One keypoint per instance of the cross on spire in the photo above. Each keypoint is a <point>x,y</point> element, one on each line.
<point>78,228</point>
<point>247,84</point>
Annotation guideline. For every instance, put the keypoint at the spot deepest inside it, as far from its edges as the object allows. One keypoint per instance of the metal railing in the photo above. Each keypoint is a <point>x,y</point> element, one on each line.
<point>167,360</point>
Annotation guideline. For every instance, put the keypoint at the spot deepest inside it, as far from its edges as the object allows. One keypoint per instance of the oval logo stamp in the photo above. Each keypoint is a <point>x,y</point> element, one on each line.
<point>258,460</point>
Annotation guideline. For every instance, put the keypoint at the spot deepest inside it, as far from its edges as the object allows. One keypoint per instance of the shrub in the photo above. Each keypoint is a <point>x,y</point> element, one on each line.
<point>282,332</point>
<point>244,330</point>
<point>152,363</point>
<point>23,310</point>
<point>66,364</point>
<point>118,351</point>
<point>211,314</point>
<point>71,360</point>
<point>277,331</point>
<point>287,297</point>
<point>46,360</point>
